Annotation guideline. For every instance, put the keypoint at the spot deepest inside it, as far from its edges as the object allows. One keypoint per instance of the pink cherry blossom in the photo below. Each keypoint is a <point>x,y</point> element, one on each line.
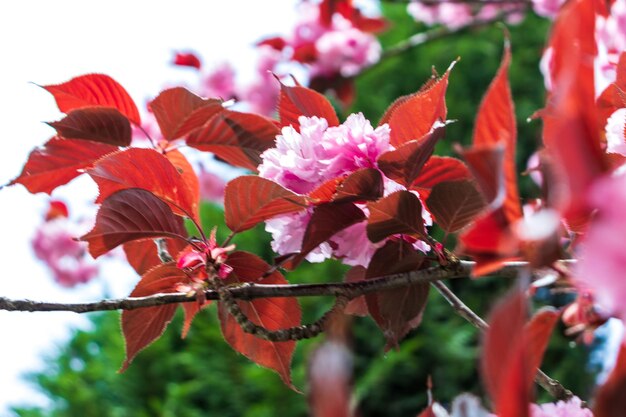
<point>452,15</point>
<point>345,52</point>
<point>211,186</point>
<point>547,8</point>
<point>219,82</point>
<point>261,95</point>
<point>615,139</point>
<point>571,408</point>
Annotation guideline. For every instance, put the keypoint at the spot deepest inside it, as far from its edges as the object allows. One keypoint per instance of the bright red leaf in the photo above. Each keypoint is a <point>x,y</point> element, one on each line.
<point>143,326</point>
<point>325,192</point>
<point>249,200</point>
<point>94,90</point>
<point>142,254</point>
<point>97,124</point>
<point>487,165</point>
<point>610,398</point>
<point>271,313</point>
<point>537,334</point>
<point>149,170</point>
<point>238,138</point>
<point>405,163</point>
<point>132,214</point>
<point>412,117</point>
<point>187,59</point>
<point>439,169</point>
<point>299,101</point>
<point>396,311</point>
<point>454,204</point>
<point>400,212</point>
<point>58,162</point>
<point>178,111</point>
<point>185,169</point>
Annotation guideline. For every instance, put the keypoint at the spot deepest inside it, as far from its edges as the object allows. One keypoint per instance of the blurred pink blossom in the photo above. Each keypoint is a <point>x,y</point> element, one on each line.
<point>611,40</point>
<point>570,408</point>
<point>219,82</point>
<point>211,186</point>
<point>452,15</point>
<point>615,139</point>
<point>345,52</point>
<point>261,95</point>
<point>547,8</point>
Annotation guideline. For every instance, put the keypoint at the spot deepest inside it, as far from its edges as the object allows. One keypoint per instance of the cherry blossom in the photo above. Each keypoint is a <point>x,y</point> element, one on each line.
<point>571,408</point>
<point>615,139</point>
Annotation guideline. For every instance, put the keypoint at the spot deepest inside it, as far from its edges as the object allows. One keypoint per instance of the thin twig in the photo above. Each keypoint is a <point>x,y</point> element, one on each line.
<point>252,291</point>
<point>552,386</point>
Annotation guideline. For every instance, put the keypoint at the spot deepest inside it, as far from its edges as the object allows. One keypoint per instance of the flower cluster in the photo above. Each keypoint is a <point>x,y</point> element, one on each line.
<point>455,15</point>
<point>302,161</point>
<point>54,243</point>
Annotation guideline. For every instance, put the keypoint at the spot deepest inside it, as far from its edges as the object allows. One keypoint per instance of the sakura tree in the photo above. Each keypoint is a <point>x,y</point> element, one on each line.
<point>368,194</point>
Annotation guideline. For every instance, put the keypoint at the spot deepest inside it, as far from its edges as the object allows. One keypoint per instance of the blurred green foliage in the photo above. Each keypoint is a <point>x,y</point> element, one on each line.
<point>202,376</point>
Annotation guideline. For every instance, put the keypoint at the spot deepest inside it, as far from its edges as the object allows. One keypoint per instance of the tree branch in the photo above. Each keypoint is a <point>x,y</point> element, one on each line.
<point>252,291</point>
<point>552,386</point>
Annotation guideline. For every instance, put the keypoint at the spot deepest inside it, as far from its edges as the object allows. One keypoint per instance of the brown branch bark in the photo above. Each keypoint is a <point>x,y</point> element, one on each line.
<point>551,385</point>
<point>252,291</point>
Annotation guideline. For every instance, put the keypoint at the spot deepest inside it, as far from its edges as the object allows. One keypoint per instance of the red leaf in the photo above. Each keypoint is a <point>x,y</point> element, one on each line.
<point>187,59</point>
<point>537,334</point>
<point>495,123</point>
<point>439,169</point>
<point>132,214</point>
<point>455,204</point>
<point>357,306</point>
<point>143,326</point>
<point>412,117</point>
<point>325,222</point>
<point>178,111</point>
<point>98,124</point>
<point>325,192</point>
<point>400,212</point>
<point>142,254</point>
<point>249,200</point>
<point>149,170</point>
<point>405,163</point>
<point>58,162</point>
<point>271,313</point>
<point>503,360</point>
<point>362,185</point>
<point>610,398</point>
<point>486,164</point>
<point>186,171</point>
<point>400,310</point>
<point>276,43</point>
<point>299,101</point>
<point>94,90</point>
<point>238,138</point>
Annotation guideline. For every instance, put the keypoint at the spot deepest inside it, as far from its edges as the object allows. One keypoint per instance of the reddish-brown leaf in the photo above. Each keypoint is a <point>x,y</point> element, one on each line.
<point>58,162</point>
<point>143,326</point>
<point>325,192</point>
<point>272,313</point>
<point>178,111</point>
<point>486,164</point>
<point>454,204</point>
<point>400,212</point>
<point>365,184</point>
<point>149,170</point>
<point>184,168</point>
<point>132,214</point>
<point>299,101</point>
<point>249,200</point>
<point>238,138</point>
<point>142,254</point>
<point>98,124</point>
<point>504,368</point>
<point>405,163</point>
<point>94,90</point>
<point>495,124</point>
<point>610,398</point>
<point>439,169</point>
<point>396,311</point>
<point>357,306</point>
<point>537,334</point>
<point>412,117</point>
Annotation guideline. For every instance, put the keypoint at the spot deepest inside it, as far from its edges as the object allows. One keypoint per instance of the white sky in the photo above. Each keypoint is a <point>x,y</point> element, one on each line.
<point>48,42</point>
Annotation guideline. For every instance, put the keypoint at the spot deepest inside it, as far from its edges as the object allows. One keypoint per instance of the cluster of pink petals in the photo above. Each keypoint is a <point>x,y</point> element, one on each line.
<point>602,255</point>
<point>302,161</point>
<point>455,15</point>
<point>611,40</point>
<point>261,95</point>
<point>211,186</point>
<point>571,408</point>
<point>219,82</point>
<point>547,8</point>
<point>67,259</point>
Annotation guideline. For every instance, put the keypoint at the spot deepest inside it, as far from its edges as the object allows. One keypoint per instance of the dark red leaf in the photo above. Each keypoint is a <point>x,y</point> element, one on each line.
<point>396,311</point>
<point>187,59</point>
<point>132,214</point>
<point>178,111</point>
<point>405,163</point>
<point>455,204</point>
<point>98,124</point>
<point>142,254</point>
<point>357,306</point>
<point>299,101</point>
<point>58,162</point>
<point>503,362</point>
<point>362,185</point>
<point>249,200</point>
<point>149,170</point>
<point>272,313</point>
<point>342,87</point>
<point>610,399</point>
<point>412,117</point>
<point>143,326</point>
<point>94,90</point>
<point>537,334</point>
<point>495,124</point>
<point>400,212</point>
<point>276,43</point>
<point>486,164</point>
<point>439,169</point>
<point>238,138</point>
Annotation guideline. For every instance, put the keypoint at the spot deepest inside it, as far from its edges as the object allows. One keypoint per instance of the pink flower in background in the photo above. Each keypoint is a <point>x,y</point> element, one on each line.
<point>452,15</point>
<point>220,82</point>
<point>345,52</point>
<point>547,8</point>
<point>303,161</point>
<point>602,254</point>
<point>615,139</point>
<point>211,186</point>
<point>261,96</point>
<point>570,408</point>
<point>67,259</point>
<point>611,40</point>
